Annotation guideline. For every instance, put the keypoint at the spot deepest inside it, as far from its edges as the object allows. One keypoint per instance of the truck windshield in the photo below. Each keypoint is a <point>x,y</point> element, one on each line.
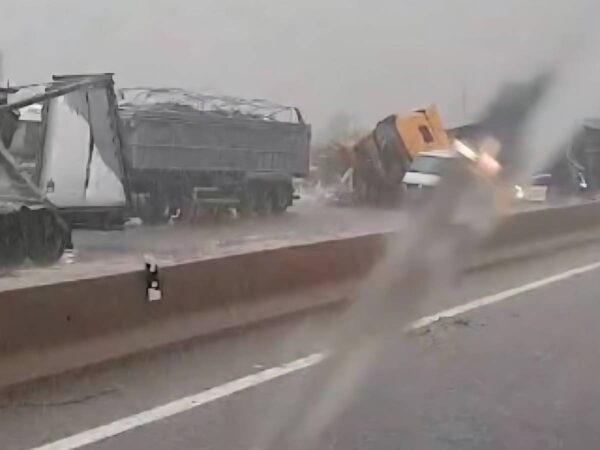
<point>429,164</point>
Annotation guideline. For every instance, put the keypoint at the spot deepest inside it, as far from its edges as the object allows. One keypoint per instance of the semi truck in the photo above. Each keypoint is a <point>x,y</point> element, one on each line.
<point>102,156</point>
<point>184,150</point>
<point>377,163</point>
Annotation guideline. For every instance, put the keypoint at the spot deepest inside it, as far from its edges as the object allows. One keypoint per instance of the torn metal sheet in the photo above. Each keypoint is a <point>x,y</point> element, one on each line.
<point>79,155</point>
<point>24,93</point>
<point>78,163</point>
<point>13,186</point>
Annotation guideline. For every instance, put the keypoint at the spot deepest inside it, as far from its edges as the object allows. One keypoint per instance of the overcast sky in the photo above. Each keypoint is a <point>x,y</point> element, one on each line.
<point>365,58</point>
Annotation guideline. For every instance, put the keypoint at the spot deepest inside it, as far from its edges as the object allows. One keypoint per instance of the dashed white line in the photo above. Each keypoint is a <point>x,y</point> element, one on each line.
<point>129,423</point>
<point>500,296</point>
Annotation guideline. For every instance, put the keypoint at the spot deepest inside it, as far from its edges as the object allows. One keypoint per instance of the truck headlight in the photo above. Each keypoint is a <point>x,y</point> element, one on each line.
<point>519,193</point>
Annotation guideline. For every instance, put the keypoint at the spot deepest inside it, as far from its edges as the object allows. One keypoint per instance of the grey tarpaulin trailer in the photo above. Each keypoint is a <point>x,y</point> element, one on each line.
<point>184,149</point>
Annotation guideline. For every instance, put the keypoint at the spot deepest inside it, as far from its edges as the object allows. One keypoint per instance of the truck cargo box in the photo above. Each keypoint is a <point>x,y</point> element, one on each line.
<point>185,151</point>
<point>189,132</point>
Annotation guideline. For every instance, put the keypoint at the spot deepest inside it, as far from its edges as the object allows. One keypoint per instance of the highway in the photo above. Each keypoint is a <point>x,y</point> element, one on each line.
<point>309,219</point>
<point>99,252</point>
<point>516,368</point>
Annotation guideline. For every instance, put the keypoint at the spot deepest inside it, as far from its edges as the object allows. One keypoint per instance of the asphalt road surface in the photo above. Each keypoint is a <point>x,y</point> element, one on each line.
<point>515,369</point>
<point>100,253</point>
<point>309,219</point>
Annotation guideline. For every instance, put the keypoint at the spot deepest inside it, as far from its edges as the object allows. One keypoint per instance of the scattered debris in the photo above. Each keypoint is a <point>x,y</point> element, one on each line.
<point>462,322</point>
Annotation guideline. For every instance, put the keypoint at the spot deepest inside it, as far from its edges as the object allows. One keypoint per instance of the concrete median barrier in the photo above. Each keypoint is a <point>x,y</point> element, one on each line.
<point>528,233</point>
<point>53,328</point>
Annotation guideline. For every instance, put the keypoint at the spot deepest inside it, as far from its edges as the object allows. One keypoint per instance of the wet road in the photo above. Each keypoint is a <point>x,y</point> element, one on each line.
<point>99,253</point>
<point>309,219</point>
<point>517,374</point>
<point>306,221</point>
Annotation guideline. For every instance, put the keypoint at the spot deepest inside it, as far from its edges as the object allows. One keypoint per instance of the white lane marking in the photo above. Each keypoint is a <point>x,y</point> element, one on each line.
<point>500,296</point>
<point>187,403</point>
<point>129,423</point>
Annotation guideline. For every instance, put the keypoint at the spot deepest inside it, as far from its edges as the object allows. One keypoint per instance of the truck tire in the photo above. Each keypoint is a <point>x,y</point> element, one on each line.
<point>265,200</point>
<point>281,198</point>
<point>155,209</point>
<point>46,240</point>
<point>13,248</point>
<point>248,201</point>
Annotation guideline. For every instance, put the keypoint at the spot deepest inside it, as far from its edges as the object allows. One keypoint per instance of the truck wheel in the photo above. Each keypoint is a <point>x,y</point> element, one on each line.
<point>13,249</point>
<point>281,199</point>
<point>108,221</point>
<point>248,201</point>
<point>155,209</point>
<point>265,200</point>
<point>17,248</point>
<point>46,238</point>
